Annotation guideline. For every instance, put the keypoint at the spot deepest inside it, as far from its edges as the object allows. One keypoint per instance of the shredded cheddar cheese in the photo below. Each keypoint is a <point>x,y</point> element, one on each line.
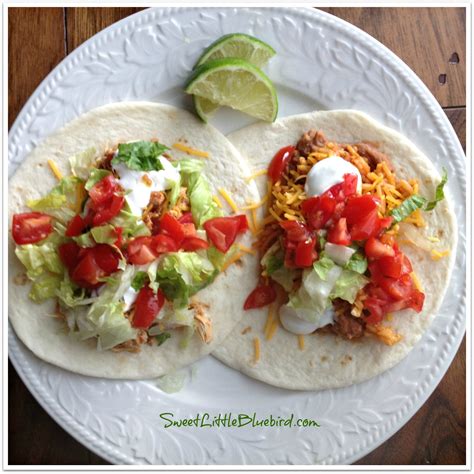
<point>246,249</point>
<point>217,201</point>
<point>416,281</point>
<point>80,196</point>
<point>433,239</point>
<point>385,333</point>
<point>229,200</point>
<point>301,342</point>
<point>55,170</point>
<point>256,345</point>
<point>269,320</point>
<point>255,175</point>
<point>253,213</point>
<point>436,255</point>
<point>272,329</point>
<point>232,260</point>
<point>190,151</point>
<point>255,205</point>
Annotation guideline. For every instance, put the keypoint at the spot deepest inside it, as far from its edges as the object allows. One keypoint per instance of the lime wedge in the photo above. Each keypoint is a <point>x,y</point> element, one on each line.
<point>204,107</point>
<point>237,84</point>
<point>238,45</point>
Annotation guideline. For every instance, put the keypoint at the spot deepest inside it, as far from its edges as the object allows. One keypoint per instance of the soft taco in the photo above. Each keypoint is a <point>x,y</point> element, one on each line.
<point>119,247</point>
<point>356,244</point>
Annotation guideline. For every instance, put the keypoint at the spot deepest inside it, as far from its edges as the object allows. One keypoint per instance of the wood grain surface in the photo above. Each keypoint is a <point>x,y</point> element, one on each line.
<point>430,40</point>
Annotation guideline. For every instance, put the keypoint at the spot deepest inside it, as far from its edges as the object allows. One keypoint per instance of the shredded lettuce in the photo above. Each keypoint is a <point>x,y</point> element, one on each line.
<point>439,192</point>
<point>357,263</point>
<point>323,265</point>
<point>140,155</point>
<point>105,318</point>
<point>182,274</point>
<point>312,298</point>
<point>131,226</point>
<point>347,285</point>
<point>95,176</point>
<point>40,258</point>
<point>45,287</point>
<point>104,234</point>
<point>410,205</point>
<point>61,201</point>
<point>273,258</point>
<point>161,338</point>
<point>139,280</point>
<point>84,240</point>
<point>202,205</point>
<point>82,163</point>
<point>173,382</point>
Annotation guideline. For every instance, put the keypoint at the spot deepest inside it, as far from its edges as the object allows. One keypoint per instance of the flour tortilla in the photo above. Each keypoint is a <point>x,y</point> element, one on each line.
<point>101,128</point>
<point>328,361</point>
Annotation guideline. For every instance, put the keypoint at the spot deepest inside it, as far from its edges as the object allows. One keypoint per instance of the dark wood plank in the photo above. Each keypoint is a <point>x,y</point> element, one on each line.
<point>82,23</point>
<point>437,433</point>
<point>457,117</point>
<point>425,38</point>
<point>32,56</point>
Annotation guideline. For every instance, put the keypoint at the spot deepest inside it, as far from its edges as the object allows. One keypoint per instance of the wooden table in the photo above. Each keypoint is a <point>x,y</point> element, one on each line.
<point>430,40</point>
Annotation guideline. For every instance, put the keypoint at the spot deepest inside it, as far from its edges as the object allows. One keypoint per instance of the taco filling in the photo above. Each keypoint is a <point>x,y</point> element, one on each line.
<point>124,242</point>
<point>328,244</point>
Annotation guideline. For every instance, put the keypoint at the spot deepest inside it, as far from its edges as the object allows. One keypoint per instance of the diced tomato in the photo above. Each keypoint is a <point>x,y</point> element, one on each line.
<point>119,233</point>
<point>69,254</point>
<point>385,223</point>
<point>395,266</point>
<point>376,308</point>
<point>305,253</point>
<point>76,226</point>
<point>222,231</point>
<point>318,210</point>
<point>31,227</point>
<point>338,233</point>
<point>171,226</point>
<point>108,210</point>
<point>374,248</point>
<point>261,296</point>
<point>147,306</point>
<point>279,163</point>
<point>87,272</point>
<point>367,227</point>
<point>358,207</point>
<point>243,222</point>
<point>190,244</point>
<point>295,231</point>
<point>141,250</point>
<point>106,257</point>
<point>103,190</point>
<point>186,218</point>
<point>345,189</point>
<point>189,230</point>
<point>163,243</point>
<point>106,200</point>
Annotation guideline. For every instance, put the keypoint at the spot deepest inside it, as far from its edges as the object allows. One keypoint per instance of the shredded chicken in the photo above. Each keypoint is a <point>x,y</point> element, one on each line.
<point>155,209</point>
<point>203,323</point>
<point>181,206</point>
<point>133,345</point>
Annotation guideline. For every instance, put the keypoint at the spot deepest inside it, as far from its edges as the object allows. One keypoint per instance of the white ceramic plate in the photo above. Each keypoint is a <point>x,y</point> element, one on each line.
<point>322,63</point>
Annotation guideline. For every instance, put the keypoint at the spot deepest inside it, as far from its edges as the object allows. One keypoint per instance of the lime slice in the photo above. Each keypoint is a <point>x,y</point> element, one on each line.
<point>238,45</point>
<point>204,107</point>
<point>237,84</point>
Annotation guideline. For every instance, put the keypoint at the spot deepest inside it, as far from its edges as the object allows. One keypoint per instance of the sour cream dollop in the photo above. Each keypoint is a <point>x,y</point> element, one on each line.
<point>296,325</point>
<point>141,184</point>
<point>328,172</point>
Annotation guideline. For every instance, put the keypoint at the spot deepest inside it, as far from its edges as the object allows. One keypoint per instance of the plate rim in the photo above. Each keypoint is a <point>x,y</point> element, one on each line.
<point>379,50</point>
